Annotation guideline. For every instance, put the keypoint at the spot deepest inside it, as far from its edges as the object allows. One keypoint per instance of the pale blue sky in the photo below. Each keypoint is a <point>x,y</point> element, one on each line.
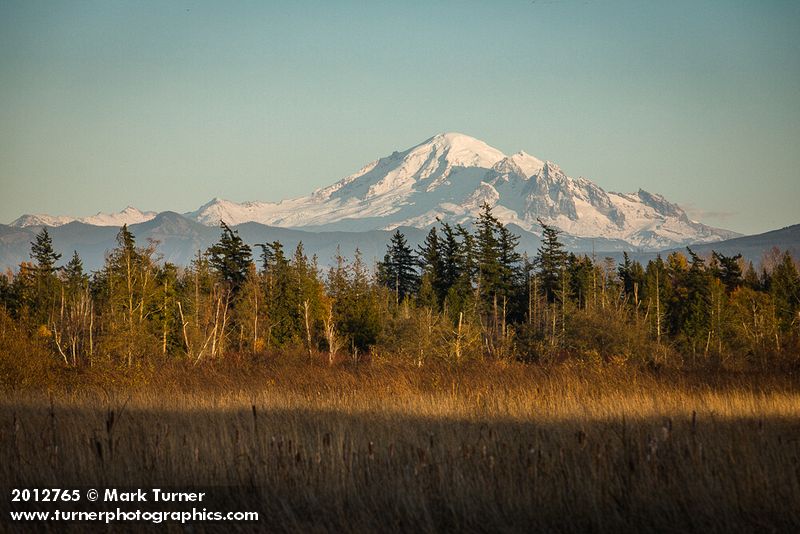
<point>164,105</point>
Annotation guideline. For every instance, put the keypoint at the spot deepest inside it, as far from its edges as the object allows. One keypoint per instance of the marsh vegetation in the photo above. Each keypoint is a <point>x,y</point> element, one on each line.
<point>477,448</point>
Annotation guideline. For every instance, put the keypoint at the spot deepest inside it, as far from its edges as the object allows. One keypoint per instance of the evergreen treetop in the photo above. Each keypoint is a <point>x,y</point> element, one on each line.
<point>551,260</point>
<point>230,257</point>
<point>398,270</point>
<point>43,254</point>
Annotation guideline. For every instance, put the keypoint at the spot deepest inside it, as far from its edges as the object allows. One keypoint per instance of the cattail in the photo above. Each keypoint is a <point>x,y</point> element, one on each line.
<point>98,449</point>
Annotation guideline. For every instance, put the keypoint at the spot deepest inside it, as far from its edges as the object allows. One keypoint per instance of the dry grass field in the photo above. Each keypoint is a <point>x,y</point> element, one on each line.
<point>482,448</point>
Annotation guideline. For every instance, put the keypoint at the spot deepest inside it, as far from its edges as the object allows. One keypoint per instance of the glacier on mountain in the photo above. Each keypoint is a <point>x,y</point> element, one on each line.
<point>449,177</point>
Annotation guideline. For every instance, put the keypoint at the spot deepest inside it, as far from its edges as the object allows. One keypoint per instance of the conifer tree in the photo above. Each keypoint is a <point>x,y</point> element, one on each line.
<point>461,251</point>
<point>272,256</point>
<point>751,278</point>
<point>126,241</point>
<point>697,317</point>
<point>453,260</point>
<point>42,300</point>
<point>164,312</point>
<point>230,257</point>
<point>431,263</point>
<point>43,254</point>
<point>785,291</point>
<point>354,307</point>
<point>632,276</point>
<point>466,257</point>
<point>581,276</point>
<point>487,249</point>
<point>429,253</point>
<point>73,275</point>
<point>7,297</point>
<point>509,260</point>
<point>398,270</point>
<point>282,296</point>
<point>624,273</point>
<point>365,323</point>
<point>729,270</point>
<point>551,260</point>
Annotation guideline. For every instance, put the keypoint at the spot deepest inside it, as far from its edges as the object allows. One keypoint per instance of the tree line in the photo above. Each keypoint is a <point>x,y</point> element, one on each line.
<point>462,294</point>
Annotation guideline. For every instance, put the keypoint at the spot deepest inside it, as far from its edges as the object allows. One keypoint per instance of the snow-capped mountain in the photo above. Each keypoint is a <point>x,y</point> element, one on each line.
<point>450,176</point>
<point>129,215</point>
<point>41,219</point>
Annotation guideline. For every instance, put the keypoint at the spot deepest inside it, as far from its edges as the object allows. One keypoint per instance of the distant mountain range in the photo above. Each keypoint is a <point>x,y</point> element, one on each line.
<point>179,239</point>
<point>753,247</point>
<point>129,215</point>
<point>448,178</point>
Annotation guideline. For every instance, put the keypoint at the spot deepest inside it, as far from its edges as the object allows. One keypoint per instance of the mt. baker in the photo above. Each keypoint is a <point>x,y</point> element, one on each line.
<point>450,176</point>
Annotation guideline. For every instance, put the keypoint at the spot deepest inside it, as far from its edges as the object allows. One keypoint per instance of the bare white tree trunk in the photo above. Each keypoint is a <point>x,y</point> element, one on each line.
<point>306,314</point>
<point>331,336</point>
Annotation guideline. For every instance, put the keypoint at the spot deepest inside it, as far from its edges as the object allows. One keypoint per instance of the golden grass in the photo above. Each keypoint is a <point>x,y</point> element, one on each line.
<point>484,448</point>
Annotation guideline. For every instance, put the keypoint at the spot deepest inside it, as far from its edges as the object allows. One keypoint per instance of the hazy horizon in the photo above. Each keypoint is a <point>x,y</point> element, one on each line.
<point>166,106</point>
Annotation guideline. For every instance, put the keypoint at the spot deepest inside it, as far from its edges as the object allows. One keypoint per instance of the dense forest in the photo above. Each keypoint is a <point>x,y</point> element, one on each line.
<point>463,295</point>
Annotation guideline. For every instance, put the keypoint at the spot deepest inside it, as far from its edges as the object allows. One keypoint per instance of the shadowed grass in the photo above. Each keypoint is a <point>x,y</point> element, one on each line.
<point>485,448</point>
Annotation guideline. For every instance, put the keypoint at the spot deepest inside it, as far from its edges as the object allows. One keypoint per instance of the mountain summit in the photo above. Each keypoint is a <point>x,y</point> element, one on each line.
<point>449,177</point>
